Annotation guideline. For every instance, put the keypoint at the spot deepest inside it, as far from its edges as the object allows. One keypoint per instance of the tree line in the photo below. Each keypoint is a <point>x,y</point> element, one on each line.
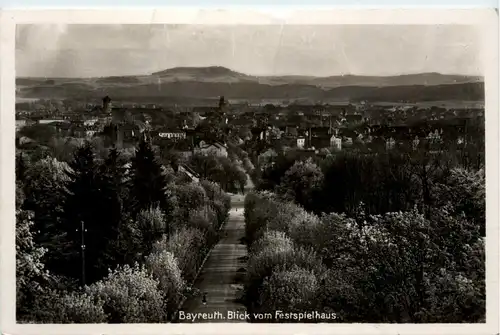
<point>109,240</point>
<point>394,237</point>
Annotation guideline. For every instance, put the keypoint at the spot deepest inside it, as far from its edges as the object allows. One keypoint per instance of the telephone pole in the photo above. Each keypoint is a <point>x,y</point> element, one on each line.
<point>83,231</point>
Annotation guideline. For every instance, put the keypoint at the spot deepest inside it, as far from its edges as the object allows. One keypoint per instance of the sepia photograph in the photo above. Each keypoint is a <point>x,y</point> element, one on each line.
<point>250,173</point>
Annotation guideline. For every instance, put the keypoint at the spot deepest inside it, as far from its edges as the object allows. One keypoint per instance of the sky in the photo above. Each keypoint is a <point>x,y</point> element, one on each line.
<point>313,50</point>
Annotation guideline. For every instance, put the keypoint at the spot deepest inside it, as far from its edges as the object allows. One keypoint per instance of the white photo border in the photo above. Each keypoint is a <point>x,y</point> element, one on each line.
<point>485,19</point>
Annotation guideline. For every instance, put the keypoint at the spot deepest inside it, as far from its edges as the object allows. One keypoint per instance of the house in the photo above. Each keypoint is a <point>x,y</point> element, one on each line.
<point>390,143</point>
<point>216,148</point>
<point>47,121</point>
<point>415,143</point>
<point>336,142</point>
<point>301,141</point>
<point>90,122</point>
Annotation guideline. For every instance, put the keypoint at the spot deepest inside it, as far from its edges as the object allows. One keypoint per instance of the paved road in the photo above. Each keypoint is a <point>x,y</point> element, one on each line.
<point>222,275</point>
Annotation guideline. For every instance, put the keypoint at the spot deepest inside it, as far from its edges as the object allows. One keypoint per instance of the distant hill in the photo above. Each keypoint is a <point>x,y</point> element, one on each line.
<point>210,82</point>
<point>118,80</point>
<point>198,71</point>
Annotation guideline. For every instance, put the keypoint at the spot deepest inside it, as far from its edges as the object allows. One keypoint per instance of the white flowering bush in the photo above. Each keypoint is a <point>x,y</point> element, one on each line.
<point>30,271</point>
<point>188,246</point>
<point>395,267</point>
<point>291,290</point>
<point>78,308</point>
<point>163,265</point>
<point>130,295</point>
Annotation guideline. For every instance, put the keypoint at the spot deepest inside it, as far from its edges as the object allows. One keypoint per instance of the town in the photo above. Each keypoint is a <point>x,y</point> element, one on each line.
<point>310,129</point>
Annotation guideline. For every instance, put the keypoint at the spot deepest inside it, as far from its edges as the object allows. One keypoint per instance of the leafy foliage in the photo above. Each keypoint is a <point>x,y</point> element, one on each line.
<point>30,271</point>
<point>187,245</point>
<point>395,267</point>
<point>291,290</point>
<point>163,265</point>
<point>130,295</point>
<point>45,188</point>
<point>148,180</point>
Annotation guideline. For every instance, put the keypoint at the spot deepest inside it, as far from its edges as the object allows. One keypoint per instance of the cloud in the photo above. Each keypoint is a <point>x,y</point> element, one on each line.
<point>93,50</point>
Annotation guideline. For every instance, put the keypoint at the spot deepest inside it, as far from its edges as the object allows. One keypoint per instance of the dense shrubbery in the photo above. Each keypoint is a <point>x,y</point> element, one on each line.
<point>130,295</point>
<point>392,267</point>
<point>410,247</point>
<point>145,237</point>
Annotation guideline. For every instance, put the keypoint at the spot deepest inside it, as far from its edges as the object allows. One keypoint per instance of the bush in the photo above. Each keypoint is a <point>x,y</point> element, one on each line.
<point>291,290</point>
<point>203,219</point>
<point>130,295</point>
<point>30,271</point>
<point>56,306</point>
<point>163,265</point>
<point>465,191</point>
<point>276,252</point>
<point>188,246</point>
<point>80,308</point>
<point>259,209</point>
<point>153,225</point>
<point>272,239</point>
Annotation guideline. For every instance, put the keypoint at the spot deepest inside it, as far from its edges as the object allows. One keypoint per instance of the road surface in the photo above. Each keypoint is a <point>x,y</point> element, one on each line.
<point>222,276</point>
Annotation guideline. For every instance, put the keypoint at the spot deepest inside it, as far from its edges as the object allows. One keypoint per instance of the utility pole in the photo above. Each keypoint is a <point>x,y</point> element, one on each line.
<point>83,231</point>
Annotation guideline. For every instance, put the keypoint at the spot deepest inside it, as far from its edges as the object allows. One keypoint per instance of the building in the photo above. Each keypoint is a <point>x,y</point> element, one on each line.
<point>172,134</point>
<point>216,148</point>
<point>336,143</point>
<point>48,121</point>
<point>301,141</point>
<point>90,122</point>
<point>390,144</point>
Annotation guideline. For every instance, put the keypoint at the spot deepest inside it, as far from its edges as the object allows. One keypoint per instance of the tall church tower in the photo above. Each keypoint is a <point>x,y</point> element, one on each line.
<point>106,105</point>
<point>117,122</point>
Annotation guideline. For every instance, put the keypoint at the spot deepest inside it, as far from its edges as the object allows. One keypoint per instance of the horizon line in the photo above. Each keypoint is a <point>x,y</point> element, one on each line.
<point>257,75</point>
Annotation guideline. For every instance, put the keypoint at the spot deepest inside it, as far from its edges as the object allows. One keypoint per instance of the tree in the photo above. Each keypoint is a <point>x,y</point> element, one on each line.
<point>21,167</point>
<point>130,295</point>
<point>244,133</point>
<point>113,194</point>
<point>301,181</point>
<point>153,225</point>
<point>148,181</point>
<point>31,275</point>
<point>292,290</point>
<point>46,189</point>
<point>207,166</point>
<point>93,205</point>
<point>186,244</point>
<point>41,133</point>
<point>189,197</point>
<point>163,265</point>
<point>275,133</point>
<point>465,191</point>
